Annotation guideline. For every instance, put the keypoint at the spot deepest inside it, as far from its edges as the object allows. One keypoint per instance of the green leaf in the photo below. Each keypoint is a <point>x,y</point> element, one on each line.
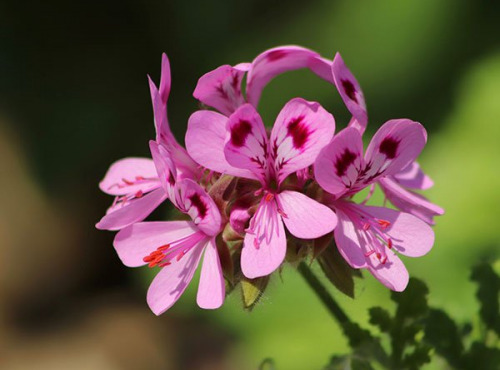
<point>337,270</point>
<point>412,302</point>
<point>348,362</point>
<point>487,294</point>
<point>418,357</point>
<point>442,333</point>
<point>481,357</point>
<point>381,318</point>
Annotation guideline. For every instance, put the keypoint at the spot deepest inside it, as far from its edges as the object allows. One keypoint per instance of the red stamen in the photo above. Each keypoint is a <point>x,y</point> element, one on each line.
<point>127,182</point>
<point>389,243</point>
<point>379,256</point>
<point>383,223</point>
<point>368,254</point>
<point>269,197</point>
<point>139,194</point>
<point>180,255</point>
<point>164,247</point>
<point>366,226</point>
<point>139,178</point>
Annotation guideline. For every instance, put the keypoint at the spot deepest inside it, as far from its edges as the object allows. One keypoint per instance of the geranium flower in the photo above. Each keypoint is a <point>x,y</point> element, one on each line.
<point>240,146</point>
<point>397,187</point>
<point>177,246</point>
<point>221,88</point>
<point>366,236</point>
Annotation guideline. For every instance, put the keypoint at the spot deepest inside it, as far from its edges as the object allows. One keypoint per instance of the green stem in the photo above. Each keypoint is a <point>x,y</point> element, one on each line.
<point>323,294</point>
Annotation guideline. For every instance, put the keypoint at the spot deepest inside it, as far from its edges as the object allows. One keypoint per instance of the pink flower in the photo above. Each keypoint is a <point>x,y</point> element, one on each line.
<point>137,189</point>
<point>397,187</point>
<point>240,146</point>
<point>366,236</point>
<point>221,88</point>
<point>135,182</point>
<point>176,246</point>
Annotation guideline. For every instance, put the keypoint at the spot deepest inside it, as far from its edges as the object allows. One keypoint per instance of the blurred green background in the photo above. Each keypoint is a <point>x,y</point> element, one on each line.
<point>74,98</point>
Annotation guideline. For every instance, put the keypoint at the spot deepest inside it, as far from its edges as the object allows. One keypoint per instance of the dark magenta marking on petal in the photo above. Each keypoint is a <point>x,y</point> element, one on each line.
<point>239,133</point>
<point>198,203</point>
<point>299,132</point>
<point>276,55</point>
<point>350,90</point>
<point>389,147</point>
<point>344,161</point>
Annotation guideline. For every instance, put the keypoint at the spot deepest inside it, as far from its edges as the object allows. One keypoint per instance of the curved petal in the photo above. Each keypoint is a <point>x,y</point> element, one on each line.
<point>211,291</point>
<point>164,166</point>
<point>205,139</point>
<point>135,211</point>
<point>196,202</point>
<point>246,145</point>
<point>351,93</point>
<point>165,80</point>
<point>410,202</point>
<point>338,165</point>
<point>410,235</point>
<point>304,217</point>
<point>393,147</point>
<point>130,175</point>
<point>413,177</point>
<point>221,89</point>
<point>264,251</point>
<point>275,61</point>
<point>348,242</point>
<point>393,273</point>
<point>137,241</point>
<point>173,280</point>
<point>301,130</point>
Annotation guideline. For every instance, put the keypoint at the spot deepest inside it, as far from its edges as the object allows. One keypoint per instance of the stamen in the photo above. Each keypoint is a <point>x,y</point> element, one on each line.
<point>384,224</point>
<point>389,243</point>
<point>127,182</point>
<point>139,194</point>
<point>366,226</point>
<point>269,197</point>
<point>368,254</point>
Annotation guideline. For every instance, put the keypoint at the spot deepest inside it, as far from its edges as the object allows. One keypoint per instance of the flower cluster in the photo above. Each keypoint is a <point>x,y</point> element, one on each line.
<point>251,195</point>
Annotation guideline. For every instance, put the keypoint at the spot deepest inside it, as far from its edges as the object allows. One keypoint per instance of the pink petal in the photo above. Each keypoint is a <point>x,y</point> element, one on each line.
<point>322,67</point>
<point>221,89</point>
<point>394,146</point>
<point>135,211</point>
<point>410,235</point>
<point>205,139</point>
<point>413,177</point>
<point>165,80</point>
<point>186,166</point>
<point>275,61</point>
<point>301,130</point>
<point>164,165</point>
<point>393,273</point>
<point>305,218</point>
<point>351,93</point>
<point>195,201</point>
<point>339,163</point>
<point>270,253</point>
<point>173,280</point>
<point>246,144</point>
<point>350,246</point>
<point>130,175</point>
<point>211,291</point>
<point>410,202</point>
<point>140,239</point>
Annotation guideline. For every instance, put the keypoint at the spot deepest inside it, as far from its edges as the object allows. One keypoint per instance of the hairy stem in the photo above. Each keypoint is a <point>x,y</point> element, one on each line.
<point>323,294</point>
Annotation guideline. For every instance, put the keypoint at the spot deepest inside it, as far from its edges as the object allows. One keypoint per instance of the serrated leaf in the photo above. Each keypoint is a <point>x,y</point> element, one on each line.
<point>441,332</point>
<point>251,291</point>
<point>412,302</point>
<point>337,270</point>
<point>381,318</point>
<point>487,294</point>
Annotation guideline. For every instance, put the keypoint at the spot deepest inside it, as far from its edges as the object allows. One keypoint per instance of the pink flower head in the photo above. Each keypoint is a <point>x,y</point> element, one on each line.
<point>177,246</point>
<point>365,235</point>
<point>241,147</point>
<point>221,88</point>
